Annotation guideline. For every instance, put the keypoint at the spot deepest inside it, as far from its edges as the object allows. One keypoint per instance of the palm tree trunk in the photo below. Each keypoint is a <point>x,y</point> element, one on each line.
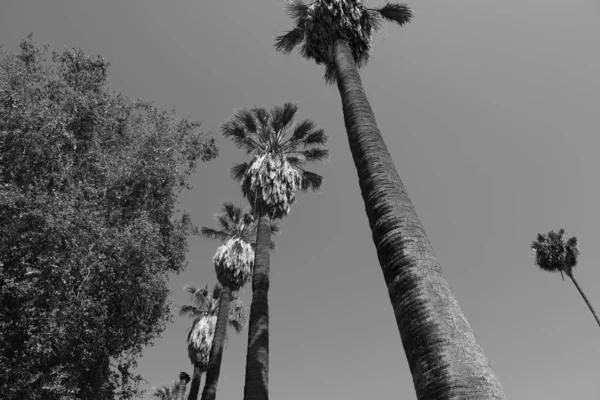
<point>584,297</point>
<point>444,358</point>
<point>195,385</point>
<point>216,352</point>
<point>256,385</point>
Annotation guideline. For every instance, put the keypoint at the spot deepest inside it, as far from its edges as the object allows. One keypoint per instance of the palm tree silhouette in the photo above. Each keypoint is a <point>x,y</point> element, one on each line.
<point>444,358</point>
<point>233,262</point>
<point>555,253</point>
<point>269,181</point>
<point>204,310</point>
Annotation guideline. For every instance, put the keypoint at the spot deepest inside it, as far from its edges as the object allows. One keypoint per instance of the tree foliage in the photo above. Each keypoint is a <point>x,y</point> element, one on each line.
<point>89,225</point>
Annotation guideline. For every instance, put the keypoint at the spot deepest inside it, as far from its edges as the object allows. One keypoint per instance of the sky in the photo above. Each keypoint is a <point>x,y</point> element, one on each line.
<point>490,111</point>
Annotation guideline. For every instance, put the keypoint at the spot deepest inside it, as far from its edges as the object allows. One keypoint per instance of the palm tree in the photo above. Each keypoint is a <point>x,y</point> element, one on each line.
<point>233,264</point>
<point>444,357</point>
<point>554,252</point>
<point>269,181</point>
<point>204,310</point>
<point>184,378</point>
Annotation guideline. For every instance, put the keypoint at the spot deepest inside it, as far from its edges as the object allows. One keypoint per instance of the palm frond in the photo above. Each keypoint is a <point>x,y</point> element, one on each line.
<point>261,114</point>
<point>288,113</point>
<point>238,172</point>
<point>234,212</point>
<point>312,181</point>
<point>191,289</point>
<point>245,118</point>
<point>398,13</point>
<point>330,75</point>
<point>188,311</point>
<point>225,223</point>
<point>295,161</point>
<point>297,10</point>
<point>289,41</point>
<point>302,130</point>
<point>315,154</point>
<point>317,137</point>
<point>212,234</point>
<point>236,132</point>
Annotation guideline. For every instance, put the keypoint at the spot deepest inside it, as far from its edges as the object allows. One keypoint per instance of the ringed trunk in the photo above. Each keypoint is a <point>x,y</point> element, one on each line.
<point>444,358</point>
<point>256,386</point>
<point>216,352</point>
<point>196,380</point>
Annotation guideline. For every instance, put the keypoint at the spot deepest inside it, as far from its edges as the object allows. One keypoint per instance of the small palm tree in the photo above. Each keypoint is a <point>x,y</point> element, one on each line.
<point>337,34</point>
<point>204,310</point>
<point>233,262</point>
<point>279,150</point>
<point>184,378</point>
<point>555,253</point>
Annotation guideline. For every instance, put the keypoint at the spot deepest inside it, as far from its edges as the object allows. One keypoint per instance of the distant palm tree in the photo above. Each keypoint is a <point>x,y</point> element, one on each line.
<point>554,252</point>
<point>233,264</point>
<point>204,310</point>
<point>184,378</point>
<point>443,355</point>
<point>276,171</point>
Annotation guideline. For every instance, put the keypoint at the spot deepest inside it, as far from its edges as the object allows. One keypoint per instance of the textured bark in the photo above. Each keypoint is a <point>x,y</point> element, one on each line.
<point>256,385</point>
<point>184,378</point>
<point>216,352</point>
<point>584,297</point>
<point>444,358</point>
<point>195,385</point>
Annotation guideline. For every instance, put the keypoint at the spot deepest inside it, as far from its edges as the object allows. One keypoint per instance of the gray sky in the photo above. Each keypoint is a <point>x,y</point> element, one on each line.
<point>490,111</point>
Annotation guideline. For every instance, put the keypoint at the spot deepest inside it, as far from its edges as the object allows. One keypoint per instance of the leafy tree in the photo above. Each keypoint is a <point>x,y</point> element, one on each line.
<point>89,229</point>
<point>269,181</point>
<point>554,252</point>
<point>444,358</point>
<point>204,311</point>
<point>233,262</point>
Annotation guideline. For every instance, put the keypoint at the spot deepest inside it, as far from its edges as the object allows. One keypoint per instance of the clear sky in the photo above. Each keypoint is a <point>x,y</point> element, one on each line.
<point>490,110</point>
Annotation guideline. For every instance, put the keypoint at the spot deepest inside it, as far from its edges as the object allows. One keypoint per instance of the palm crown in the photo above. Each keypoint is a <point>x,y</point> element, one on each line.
<point>554,252</point>
<point>280,149</point>
<point>234,259</point>
<point>319,24</point>
<point>204,310</point>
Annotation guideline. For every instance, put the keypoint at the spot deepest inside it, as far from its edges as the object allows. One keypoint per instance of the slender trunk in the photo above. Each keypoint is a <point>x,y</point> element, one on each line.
<point>184,378</point>
<point>584,297</point>
<point>216,352</point>
<point>444,358</point>
<point>256,385</point>
<point>195,385</point>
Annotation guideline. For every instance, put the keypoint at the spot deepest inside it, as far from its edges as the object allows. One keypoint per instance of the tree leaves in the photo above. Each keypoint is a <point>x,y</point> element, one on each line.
<point>88,233</point>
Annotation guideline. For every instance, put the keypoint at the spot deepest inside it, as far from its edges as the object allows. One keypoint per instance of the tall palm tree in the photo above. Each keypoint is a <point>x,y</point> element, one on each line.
<point>204,310</point>
<point>444,358</point>
<point>276,171</point>
<point>233,262</point>
<point>554,252</point>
